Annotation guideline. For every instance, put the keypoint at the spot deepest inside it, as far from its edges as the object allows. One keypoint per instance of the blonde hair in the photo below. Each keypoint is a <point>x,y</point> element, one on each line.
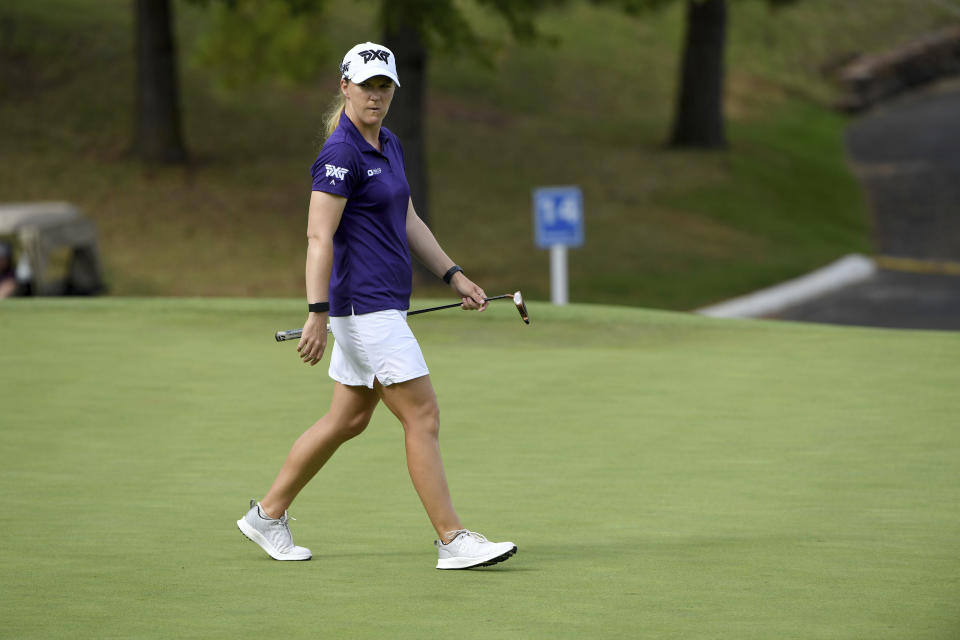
<point>332,117</point>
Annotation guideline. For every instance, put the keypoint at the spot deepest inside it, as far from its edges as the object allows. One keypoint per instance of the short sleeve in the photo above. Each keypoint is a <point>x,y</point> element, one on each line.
<point>337,169</point>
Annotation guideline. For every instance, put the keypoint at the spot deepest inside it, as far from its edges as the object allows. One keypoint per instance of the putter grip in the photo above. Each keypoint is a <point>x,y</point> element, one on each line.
<point>292,334</point>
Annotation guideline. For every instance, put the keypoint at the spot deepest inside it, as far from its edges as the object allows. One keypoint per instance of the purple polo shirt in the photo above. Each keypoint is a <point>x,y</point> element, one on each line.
<point>371,257</point>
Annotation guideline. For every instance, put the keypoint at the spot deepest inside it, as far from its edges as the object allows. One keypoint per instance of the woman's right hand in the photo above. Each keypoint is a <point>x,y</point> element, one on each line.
<point>313,340</point>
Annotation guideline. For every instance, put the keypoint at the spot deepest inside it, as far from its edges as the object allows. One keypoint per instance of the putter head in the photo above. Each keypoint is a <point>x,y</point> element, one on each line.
<point>521,307</point>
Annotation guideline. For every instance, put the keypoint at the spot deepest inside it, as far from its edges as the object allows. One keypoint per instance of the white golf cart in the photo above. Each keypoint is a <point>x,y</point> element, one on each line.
<point>57,249</point>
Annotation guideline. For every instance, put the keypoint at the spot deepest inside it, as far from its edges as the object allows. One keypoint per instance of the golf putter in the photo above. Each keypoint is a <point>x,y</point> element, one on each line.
<point>294,334</point>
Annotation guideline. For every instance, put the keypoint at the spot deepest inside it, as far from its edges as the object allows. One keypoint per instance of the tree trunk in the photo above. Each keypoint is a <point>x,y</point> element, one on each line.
<point>698,121</point>
<point>408,111</point>
<point>157,135</point>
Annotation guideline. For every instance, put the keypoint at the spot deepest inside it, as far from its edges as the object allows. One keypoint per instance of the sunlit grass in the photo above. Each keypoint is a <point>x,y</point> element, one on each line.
<point>663,474</point>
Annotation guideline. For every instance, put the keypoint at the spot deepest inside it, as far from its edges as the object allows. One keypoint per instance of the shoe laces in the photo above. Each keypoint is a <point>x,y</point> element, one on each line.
<point>285,541</point>
<point>281,521</point>
<point>473,534</point>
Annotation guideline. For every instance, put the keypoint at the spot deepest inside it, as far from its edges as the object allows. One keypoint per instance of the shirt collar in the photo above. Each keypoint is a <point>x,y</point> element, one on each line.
<point>354,134</point>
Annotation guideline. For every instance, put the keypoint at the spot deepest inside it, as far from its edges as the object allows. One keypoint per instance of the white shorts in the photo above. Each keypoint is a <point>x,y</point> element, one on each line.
<point>375,346</point>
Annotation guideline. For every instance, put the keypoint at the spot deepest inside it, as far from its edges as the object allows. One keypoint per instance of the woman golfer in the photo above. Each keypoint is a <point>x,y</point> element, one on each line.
<point>361,230</point>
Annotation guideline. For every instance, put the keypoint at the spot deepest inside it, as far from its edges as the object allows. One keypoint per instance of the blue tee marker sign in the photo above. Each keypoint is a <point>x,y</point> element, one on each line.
<point>558,216</point>
<point>558,224</point>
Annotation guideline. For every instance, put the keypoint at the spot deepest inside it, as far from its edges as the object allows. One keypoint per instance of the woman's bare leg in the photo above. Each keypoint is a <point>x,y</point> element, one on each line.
<point>415,405</point>
<point>350,411</point>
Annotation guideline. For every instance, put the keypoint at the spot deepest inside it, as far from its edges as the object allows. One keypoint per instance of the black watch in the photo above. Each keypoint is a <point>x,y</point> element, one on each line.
<point>449,274</point>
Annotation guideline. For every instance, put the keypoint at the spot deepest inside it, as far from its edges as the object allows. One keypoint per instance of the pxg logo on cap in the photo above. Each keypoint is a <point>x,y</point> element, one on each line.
<point>367,60</point>
<point>379,54</point>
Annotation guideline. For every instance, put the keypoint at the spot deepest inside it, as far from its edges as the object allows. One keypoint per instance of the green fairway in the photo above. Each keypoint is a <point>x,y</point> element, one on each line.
<point>664,476</point>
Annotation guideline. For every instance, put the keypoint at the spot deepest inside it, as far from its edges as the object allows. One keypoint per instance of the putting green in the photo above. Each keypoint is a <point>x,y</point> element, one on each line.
<point>664,475</point>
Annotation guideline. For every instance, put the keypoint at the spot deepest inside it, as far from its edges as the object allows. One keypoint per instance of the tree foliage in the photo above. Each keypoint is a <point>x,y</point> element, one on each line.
<point>252,41</point>
<point>444,26</point>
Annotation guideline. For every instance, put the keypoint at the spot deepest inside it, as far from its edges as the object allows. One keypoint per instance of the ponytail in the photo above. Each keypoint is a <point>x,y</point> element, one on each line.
<point>332,117</point>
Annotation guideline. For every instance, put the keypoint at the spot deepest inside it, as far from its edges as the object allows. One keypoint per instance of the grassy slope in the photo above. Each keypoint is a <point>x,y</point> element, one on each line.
<point>660,472</point>
<point>664,229</point>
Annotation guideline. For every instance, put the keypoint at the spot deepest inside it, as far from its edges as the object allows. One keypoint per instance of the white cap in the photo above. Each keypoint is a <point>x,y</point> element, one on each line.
<point>367,60</point>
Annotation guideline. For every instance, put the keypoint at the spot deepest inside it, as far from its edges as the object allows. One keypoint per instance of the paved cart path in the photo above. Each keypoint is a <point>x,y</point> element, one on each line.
<point>907,156</point>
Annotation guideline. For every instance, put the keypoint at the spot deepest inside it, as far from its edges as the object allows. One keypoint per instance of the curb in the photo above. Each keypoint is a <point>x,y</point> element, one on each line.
<point>848,270</point>
<point>917,265</point>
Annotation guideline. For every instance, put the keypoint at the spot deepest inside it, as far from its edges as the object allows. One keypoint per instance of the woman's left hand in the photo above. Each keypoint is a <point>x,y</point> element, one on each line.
<point>471,295</point>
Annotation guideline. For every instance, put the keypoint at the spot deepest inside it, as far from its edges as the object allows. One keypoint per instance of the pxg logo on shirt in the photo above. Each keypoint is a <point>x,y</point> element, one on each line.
<point>371,54</point>
<point>336,172</point>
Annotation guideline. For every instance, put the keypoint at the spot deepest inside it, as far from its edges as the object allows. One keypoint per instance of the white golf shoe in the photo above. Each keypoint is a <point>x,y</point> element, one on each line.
<point>468,550</point>
<point>272,534</point>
